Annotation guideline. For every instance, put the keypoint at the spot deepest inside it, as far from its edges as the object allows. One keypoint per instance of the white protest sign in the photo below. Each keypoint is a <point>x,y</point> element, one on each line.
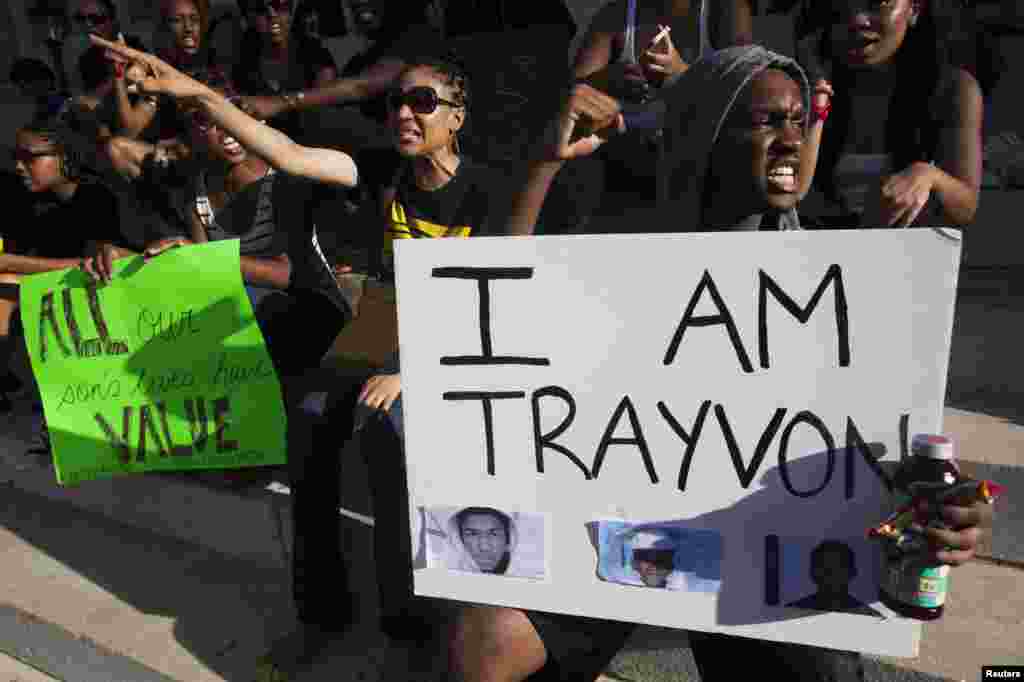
<point>687,412</point>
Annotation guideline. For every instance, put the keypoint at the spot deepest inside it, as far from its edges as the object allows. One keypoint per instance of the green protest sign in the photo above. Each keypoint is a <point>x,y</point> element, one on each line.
<point>162,369</point>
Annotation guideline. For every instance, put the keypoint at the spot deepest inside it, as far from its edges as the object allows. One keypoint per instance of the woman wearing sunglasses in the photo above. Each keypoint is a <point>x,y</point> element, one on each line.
<point>423,188</point>
<point>64,216</point>
<point>253,184</point>
<point>902,145</point>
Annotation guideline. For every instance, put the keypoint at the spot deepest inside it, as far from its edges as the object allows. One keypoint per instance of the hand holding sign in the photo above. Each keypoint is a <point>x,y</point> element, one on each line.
<point>587,120</point>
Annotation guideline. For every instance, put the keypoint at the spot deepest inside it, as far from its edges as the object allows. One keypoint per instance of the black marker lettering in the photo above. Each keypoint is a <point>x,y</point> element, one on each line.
<point>723,317</point>
<point>871,454</point>
<point>767,284</point>
<point>483,276</point>
<point>119,443</point>
<point>198,424</point>
<point>86,348</point>
<point>146,426</point>
<point>690,439</point>
<point>46,314</point>
<point>813,421</point>
<point>904,436</point>
<point>772,563</point>
<point>110,346</point>
<point>176,450</point>
<point>485,399</point>
<point>222,420</point>
<point>625,406</point>
<point>547,440</point>
<point>746,475</point>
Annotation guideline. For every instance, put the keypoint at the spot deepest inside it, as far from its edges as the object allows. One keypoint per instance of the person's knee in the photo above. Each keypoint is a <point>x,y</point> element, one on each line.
<point>490,644</point>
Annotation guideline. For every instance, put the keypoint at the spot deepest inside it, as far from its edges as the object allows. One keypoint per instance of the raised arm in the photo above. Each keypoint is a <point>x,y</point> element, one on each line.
<point>323,165</point>
<point>588,118</point>
<point>732,23</point>
<point>821,100</point>
<point>374,81</point>
<point>595,54</point>
<point>132,117</point>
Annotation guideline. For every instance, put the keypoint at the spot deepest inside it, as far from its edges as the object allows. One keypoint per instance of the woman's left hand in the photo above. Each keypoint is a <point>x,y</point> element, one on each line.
<point>905,194</point>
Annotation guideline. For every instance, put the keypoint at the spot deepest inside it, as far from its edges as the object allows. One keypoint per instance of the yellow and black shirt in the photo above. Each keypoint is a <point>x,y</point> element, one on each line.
<point>458,209</point>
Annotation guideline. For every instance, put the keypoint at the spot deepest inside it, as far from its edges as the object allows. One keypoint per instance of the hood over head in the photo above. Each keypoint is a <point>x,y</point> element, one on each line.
<point>698,105</point>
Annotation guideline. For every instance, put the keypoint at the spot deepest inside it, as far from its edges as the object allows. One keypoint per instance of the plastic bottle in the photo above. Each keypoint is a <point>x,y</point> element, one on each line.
<point>909,585</point>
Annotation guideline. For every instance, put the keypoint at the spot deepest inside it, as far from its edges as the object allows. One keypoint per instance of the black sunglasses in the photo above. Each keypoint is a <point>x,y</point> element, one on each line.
<point>28,156</point>
<point>92,18</point>
<point>421,99</point>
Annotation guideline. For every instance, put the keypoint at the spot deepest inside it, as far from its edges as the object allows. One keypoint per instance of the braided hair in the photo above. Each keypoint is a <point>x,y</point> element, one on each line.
<point>451,68</point>
<point>53,127</point>
<point>453,72</point>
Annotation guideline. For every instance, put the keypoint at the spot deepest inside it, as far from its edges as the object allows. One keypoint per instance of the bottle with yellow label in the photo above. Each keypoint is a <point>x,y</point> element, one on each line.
<point>911,585</point>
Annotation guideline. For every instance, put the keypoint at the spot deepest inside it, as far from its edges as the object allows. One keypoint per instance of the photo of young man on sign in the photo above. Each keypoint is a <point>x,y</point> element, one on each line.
<point>485,540</point>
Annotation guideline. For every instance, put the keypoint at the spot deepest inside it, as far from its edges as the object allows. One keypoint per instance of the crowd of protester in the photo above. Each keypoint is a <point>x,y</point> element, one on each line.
<point>874,124</point>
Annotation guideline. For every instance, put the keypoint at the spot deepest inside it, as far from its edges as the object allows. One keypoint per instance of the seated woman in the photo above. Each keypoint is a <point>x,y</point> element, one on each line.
<point>902,146</point>
<point>65,216</point>
<point>737,139</point>
<point>252,183</point>
<point>423,188</point>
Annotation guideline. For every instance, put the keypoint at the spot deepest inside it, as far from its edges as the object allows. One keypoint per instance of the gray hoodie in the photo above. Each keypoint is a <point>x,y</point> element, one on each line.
<point>698,105</point>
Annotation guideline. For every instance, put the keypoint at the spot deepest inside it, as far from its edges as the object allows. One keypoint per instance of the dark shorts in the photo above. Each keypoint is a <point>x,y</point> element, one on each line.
<point>578,648</point>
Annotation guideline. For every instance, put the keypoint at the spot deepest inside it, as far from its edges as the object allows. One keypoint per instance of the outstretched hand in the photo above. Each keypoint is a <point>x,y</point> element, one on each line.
<point>588,119</point>
<point>160,77</point>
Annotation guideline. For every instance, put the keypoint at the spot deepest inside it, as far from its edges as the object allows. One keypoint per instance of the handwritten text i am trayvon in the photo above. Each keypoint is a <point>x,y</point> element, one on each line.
<point>769,292</point>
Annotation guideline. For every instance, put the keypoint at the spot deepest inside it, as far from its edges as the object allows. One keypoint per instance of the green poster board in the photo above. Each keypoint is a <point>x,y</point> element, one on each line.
<point>162,369</point>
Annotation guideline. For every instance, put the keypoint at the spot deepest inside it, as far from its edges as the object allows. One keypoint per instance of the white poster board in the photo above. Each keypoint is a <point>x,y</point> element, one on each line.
<point>591,321</point>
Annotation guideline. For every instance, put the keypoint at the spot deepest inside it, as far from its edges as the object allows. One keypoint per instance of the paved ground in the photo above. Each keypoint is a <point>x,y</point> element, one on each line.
<point>88,596</point>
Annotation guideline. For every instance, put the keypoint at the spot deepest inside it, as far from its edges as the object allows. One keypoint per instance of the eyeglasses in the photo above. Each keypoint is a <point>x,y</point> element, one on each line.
<point>92,18</point>
<point>27,156</point>
<point>422,100</point>
<point>271,7</point>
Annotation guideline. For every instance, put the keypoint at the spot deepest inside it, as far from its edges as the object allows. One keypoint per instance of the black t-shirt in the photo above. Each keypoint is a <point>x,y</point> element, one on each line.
<point>271,217</point>
<point>461,207</point>
<point>62,229</point>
